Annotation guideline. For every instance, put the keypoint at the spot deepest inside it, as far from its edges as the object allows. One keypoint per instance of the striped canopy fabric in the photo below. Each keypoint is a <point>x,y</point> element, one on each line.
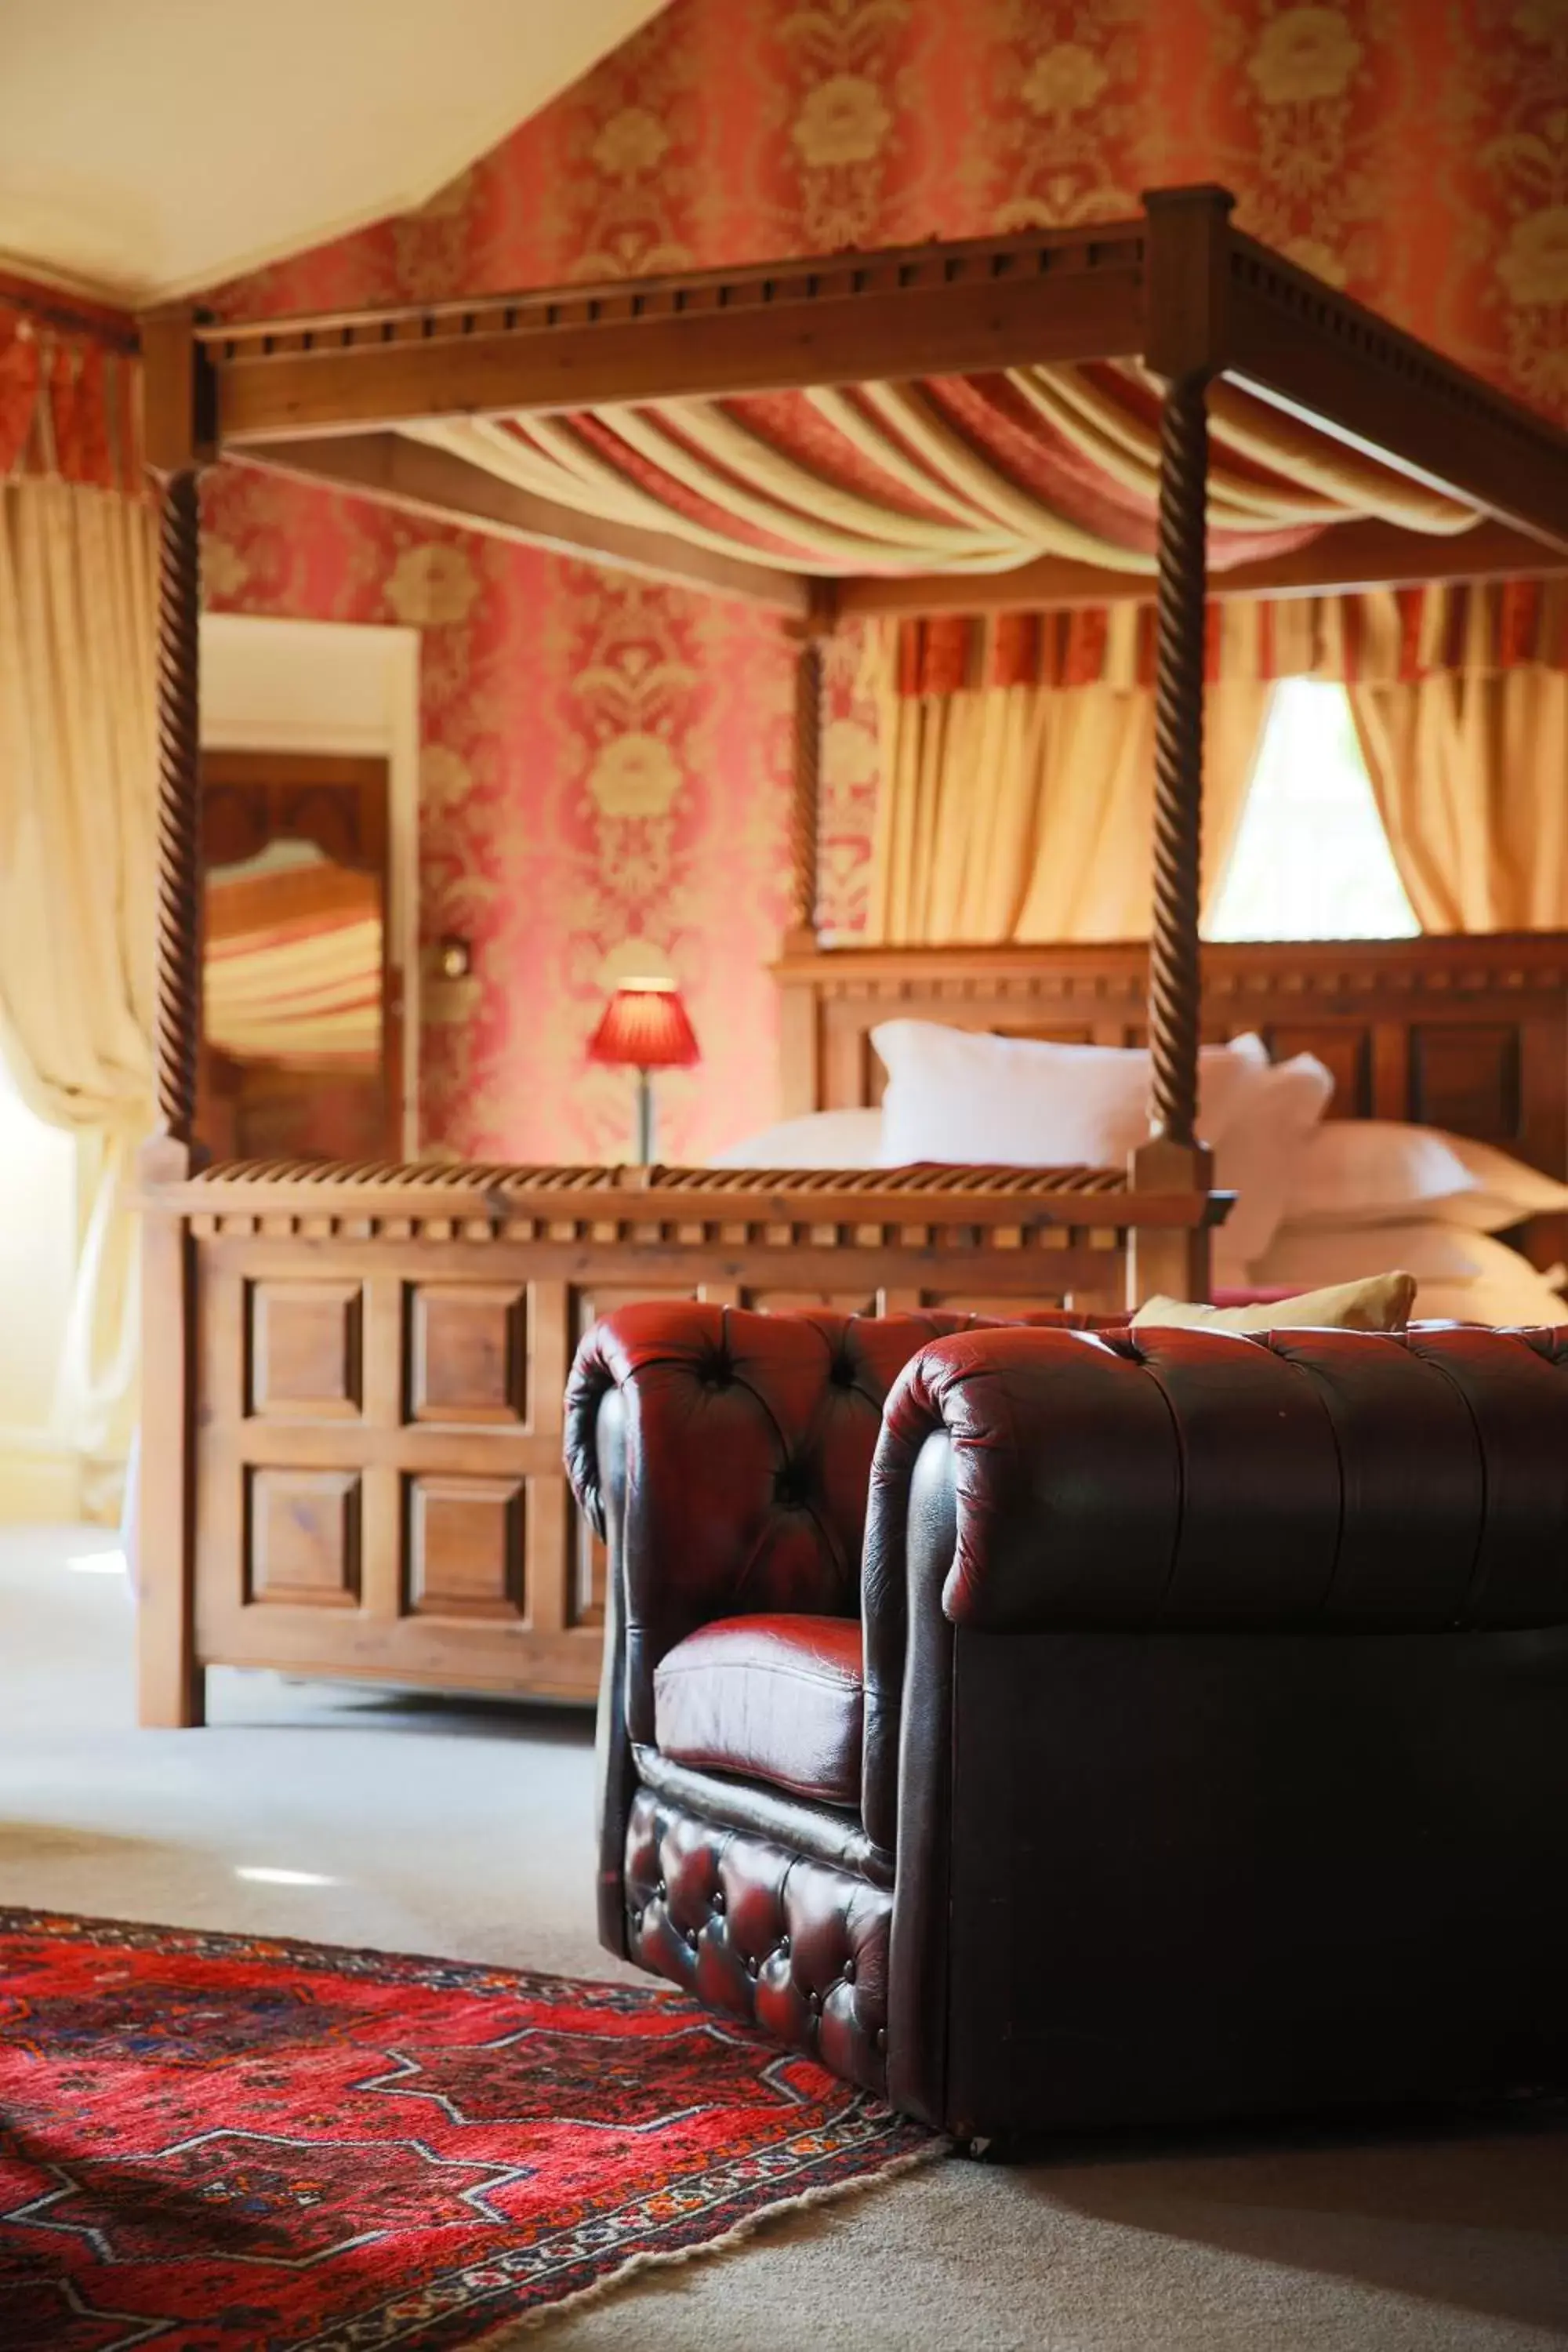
<point>952,474</point>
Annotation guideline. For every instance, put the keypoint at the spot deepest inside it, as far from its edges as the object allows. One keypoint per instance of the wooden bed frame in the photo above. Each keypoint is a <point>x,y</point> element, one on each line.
<point>1468,1033</point>
<point>351,1428</point>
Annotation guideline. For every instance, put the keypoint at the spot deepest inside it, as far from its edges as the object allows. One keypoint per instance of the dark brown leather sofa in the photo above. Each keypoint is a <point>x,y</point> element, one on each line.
<point>1049,1728</point>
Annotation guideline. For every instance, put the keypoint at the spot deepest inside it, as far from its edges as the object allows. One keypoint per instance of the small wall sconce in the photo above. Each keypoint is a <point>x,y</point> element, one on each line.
<point>454,958</point>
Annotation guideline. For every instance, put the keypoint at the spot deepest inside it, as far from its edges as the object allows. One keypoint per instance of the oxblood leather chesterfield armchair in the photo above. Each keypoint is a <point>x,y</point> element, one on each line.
<point>1109,1728</point>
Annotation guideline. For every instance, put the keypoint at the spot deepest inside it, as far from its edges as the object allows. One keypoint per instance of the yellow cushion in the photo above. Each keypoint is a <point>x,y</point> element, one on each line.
<point>1379,1302</point>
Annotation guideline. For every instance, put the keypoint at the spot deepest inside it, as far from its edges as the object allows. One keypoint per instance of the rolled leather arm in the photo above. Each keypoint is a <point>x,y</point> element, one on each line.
<point>1317,1480</point>
<point>739,1461</point>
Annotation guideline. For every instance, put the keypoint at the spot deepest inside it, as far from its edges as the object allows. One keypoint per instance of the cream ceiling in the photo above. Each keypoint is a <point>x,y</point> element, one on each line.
<point>149,148</point>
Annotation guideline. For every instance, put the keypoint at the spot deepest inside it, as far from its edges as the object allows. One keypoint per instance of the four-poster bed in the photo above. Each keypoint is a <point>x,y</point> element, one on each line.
<point>352,1375</point>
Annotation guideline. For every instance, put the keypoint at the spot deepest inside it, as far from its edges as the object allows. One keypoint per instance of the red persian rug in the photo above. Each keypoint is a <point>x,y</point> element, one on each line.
<point>222,2144</point>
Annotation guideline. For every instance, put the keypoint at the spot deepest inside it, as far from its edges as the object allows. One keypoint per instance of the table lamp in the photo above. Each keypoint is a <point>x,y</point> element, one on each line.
<point>645,1027</point>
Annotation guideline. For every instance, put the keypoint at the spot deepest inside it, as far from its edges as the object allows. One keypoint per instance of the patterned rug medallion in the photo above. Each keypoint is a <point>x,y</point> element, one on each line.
<point>220,2143</point>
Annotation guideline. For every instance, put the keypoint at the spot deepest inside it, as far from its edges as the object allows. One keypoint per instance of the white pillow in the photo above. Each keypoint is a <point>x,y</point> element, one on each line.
<point>818,1138</point>
<point>1459,1273</point>
<point>1506,1190</point>
<point>1375,1170</point>
<point>1258,1156</point>
<point>1305,1257</point>
<point>962,1095</point>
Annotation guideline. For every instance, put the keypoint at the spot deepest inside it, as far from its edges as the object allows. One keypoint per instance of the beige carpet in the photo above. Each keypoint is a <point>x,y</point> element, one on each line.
<point>427,1826</point>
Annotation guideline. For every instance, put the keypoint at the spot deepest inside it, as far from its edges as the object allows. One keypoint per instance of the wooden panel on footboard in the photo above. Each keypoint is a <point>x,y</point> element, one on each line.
<point>372,1481</point>
<point>399,1512</point>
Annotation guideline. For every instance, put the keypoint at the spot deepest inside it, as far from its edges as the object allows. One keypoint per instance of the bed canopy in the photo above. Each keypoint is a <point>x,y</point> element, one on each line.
<point>1157,408</point>
<point>971,474</point>
<point>970,424</point>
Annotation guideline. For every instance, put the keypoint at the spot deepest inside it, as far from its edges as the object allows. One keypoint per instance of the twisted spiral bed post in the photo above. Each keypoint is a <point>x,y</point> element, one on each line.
<point>806,804</point>
<point>178,437</point>
<point>178,1002</point>
<point>1173,951</point>
<point>1175,1260</point>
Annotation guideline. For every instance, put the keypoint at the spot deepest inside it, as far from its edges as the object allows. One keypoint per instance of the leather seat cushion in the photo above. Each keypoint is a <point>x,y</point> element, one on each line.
<point>772,1698</point>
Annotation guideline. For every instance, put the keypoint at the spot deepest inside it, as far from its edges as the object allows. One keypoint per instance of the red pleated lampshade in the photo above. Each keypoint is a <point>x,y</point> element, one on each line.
<point>645,1023</point>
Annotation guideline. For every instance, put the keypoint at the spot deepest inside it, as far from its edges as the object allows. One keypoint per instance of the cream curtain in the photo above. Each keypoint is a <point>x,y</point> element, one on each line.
<point>1468,756</point>
<point>1025,812</point>
<point>1022,811</point>
<point>77,870</point>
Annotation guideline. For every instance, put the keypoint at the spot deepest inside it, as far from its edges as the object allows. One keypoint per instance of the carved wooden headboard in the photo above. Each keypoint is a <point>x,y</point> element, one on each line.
<point>1468,1033</point>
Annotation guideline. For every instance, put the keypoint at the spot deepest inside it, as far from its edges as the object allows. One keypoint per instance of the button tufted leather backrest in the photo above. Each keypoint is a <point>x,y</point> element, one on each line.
<point>747,1454</point>
<point>1330,1482</point>
<point>1337,1481</point>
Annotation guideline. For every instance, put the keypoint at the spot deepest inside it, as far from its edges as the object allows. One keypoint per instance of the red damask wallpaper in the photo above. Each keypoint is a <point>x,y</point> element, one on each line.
<point>606,765</point>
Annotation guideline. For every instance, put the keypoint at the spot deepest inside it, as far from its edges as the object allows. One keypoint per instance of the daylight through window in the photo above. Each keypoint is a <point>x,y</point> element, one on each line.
<point>1311,860</point>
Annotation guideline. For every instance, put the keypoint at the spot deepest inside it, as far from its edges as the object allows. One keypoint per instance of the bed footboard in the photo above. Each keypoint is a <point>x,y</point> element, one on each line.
<point>353,1430</point>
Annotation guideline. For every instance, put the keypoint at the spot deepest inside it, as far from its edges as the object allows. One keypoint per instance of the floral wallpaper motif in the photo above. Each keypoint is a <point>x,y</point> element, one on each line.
<point>1509,126</point>
<point>605,764</point>
<point>625,170</point>
<point>848,805</point>
<point>1302,110</point>
<point>1062,95</point>
<point>845,97</point>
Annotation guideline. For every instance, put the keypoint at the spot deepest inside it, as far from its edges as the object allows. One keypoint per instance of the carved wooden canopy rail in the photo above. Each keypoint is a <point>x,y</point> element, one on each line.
<point>351,1431</point>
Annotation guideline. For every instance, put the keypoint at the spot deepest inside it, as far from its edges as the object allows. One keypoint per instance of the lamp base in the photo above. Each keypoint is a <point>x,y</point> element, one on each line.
<point>643,1140</point>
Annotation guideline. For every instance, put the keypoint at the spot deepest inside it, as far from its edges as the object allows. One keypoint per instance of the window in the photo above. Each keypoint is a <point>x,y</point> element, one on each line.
<point>1311,860</point>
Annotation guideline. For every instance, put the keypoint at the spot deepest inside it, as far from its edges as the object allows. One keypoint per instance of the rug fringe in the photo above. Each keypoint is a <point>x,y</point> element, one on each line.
<point>512,2331</point>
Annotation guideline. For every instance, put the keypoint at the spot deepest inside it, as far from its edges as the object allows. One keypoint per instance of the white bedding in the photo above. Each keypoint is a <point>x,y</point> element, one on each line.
<point>1460,1275</point>
<point>821,1139</point>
